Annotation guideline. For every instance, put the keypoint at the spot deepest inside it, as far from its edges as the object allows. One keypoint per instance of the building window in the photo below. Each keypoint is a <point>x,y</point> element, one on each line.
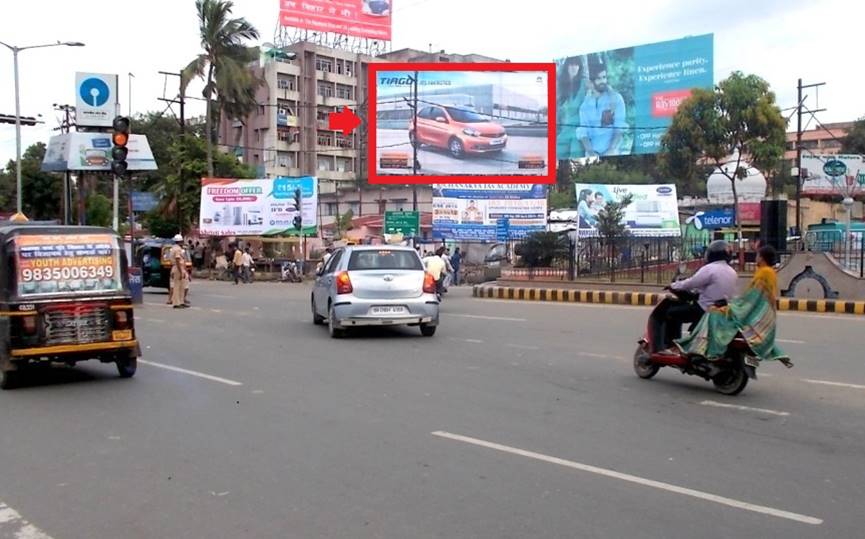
<point>261,110</point>
<point>325,162</point>
<point>325,89</point>
<point>284,160</point>
<point>343,164</point>
<point>324,64</point>
<point>257,135</point>
<point>344,141</point>
<point>325,139</point>
<point>349,68</point>
<point>330,208</point>
<point>343,91</point>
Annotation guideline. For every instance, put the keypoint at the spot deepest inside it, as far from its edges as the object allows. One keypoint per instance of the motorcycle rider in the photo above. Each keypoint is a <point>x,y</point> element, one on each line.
<point>715,282</point>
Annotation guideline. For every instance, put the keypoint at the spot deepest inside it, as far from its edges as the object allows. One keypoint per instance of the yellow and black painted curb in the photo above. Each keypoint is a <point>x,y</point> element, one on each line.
<point>618,297</point>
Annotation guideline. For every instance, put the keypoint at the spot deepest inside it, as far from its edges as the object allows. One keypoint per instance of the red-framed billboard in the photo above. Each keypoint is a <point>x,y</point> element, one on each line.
<point>359,18</point>
<point>471,123</point>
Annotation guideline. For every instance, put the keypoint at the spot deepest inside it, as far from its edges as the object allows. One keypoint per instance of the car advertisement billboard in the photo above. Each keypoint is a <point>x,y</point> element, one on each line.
<point>833,174</point>
<point>92,152</point>
<point>469,122</point>
<point>231,207</point>
<point>359,18</point>
<point>653,211</point>
<point>474,212</point>
<point>620,102</point>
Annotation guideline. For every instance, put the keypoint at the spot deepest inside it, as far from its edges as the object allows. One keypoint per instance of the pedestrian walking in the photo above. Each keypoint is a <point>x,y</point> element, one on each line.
<point>198,256</point>
<point>449,270</point>
<point>237,262</point>
<point>456,263</point>
<point>179,277</point>
<point>246,261</point>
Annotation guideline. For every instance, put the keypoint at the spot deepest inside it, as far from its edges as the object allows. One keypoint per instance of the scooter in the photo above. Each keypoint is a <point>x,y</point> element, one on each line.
<point>729,374</point>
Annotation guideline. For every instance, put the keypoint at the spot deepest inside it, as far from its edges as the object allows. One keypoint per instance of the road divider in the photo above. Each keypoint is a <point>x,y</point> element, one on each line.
<point>624,297</point>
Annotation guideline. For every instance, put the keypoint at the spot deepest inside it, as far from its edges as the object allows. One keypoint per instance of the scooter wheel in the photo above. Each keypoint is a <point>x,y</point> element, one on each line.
<point>642,367</point>
<point>731,382</point>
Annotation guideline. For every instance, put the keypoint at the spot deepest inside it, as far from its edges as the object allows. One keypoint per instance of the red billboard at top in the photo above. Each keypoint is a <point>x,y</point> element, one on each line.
<point>359,18</point>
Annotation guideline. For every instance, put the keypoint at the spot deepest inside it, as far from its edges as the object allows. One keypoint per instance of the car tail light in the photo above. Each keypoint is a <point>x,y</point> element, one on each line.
<point>343,283</point>
<point>429,283</point>
<point>121,319</point>
<point>28,324</point>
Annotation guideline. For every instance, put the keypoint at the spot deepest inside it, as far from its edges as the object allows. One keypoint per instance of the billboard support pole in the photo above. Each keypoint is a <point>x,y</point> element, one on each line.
<point>115,218</point>
<point>415,145</point>
<point>799,177</point>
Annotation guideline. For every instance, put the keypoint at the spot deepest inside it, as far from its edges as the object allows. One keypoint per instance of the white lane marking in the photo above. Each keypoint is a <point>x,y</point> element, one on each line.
<point>473,341</point>
<point>218,296</point>
<point>837,384</point>
<point>216,311</point>
<point>669,487</point>
<point>790,341</point>
<point>523,347</point>
<point>10,518</point>
<point>745,408</point>
<point>590,354</point>
<point>156,320</point>
<point>225,381</point>
<point>483,317</point>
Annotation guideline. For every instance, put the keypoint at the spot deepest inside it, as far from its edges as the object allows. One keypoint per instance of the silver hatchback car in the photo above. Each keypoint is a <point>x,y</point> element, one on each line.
<point>375,285</point>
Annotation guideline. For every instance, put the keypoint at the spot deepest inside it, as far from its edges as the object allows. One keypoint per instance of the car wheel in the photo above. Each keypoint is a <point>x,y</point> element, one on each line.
<point>427,330</point>
<point>335,331</point>
<point>316,319</point>
<point>126,367</point>
<point>456,148</point>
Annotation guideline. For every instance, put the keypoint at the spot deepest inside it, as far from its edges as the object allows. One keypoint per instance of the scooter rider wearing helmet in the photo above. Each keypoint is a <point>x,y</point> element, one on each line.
<point>715,282</point>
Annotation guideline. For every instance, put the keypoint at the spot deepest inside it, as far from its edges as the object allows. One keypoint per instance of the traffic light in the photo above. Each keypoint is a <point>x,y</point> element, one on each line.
<point>298,204</point>
<point>120,138</point>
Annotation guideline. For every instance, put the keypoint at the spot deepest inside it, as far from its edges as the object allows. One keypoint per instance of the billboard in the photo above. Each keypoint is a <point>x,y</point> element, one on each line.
<point>358,18</point>
<point>231,207</point>
<point>620,102</point>
<point>95,99</point>
<point>92,152</point>
<point>474,212</point>
<point>833,174</point>
<point>469,122</point>
<point>653,211</point>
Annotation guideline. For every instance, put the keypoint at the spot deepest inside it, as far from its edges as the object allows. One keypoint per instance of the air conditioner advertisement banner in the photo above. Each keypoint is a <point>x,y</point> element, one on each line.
<point>264,207</point>
<point>470,212</point>
<point>653,211</point>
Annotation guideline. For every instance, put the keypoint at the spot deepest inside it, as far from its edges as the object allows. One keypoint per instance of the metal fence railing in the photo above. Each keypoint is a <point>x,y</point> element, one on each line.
<point>848,251</point>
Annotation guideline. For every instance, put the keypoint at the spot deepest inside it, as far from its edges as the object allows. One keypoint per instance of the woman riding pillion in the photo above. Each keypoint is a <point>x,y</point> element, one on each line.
<point>752,315</point>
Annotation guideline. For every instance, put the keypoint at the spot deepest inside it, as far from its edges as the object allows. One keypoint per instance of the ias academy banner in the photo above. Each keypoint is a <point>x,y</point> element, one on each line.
<point>620,102</point>
<point>359,18</point>
<point>231,207</point>
<point>470,212</point>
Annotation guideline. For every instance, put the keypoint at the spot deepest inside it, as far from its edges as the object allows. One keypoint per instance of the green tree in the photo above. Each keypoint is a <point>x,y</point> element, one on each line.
<point>562,197</point>
<point>611,226</point>
<point>854,142</point>
<point>540,249</point>
<point>223,65</point>
<point>739,119</point>
<point>98,210</point>
<point>187,164</point>
<point>608,172</point>
<point>41,192</point>
<point>161,227</point>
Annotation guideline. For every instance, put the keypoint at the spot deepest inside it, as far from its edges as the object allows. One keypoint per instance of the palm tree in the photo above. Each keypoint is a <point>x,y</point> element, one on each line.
<point>223,65</point>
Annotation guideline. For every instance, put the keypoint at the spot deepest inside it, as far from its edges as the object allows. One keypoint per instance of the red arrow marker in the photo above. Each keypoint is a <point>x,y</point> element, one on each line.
<point>344,120</point>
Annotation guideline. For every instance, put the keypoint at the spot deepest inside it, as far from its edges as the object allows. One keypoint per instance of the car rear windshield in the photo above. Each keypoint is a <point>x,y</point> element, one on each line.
<point>384,259</point>
<point>466,116</point>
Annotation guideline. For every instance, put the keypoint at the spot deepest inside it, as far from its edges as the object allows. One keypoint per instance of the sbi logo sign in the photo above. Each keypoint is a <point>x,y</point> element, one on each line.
<point>94,92</point>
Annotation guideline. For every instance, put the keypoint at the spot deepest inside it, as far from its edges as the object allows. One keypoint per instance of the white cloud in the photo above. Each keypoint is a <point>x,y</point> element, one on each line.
<point>780,41</point>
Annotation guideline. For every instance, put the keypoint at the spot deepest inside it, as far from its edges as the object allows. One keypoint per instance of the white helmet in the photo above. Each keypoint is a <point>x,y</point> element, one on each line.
<point>178,238</point>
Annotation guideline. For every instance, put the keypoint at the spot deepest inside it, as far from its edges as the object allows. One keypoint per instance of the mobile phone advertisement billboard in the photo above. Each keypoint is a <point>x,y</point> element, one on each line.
<point>467,122</point>
<point>471,212</point>
<point>653,211</point>
<point>262,207</point>
<point>621,102</point>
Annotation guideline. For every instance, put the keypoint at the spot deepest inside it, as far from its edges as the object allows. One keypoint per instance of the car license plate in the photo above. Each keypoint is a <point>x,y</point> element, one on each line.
<point>387,310</point>
<point>121,335</point>
<point>752,361</point>
<point>497,141</point>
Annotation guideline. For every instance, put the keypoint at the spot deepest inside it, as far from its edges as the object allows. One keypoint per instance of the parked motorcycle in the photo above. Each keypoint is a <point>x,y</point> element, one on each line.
<point>290,273</point>
<point>729,374</point>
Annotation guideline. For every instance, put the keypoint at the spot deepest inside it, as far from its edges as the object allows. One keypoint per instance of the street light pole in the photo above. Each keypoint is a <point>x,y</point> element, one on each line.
<point>15,50</point>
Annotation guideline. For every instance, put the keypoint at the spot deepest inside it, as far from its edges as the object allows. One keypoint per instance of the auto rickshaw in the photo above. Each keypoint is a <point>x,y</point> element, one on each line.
<point>153,257</point>
<point>64,297</point>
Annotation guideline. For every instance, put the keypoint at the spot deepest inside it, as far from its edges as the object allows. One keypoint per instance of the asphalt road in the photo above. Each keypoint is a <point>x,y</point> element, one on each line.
<point>517,420</point>
<point>436,161</point>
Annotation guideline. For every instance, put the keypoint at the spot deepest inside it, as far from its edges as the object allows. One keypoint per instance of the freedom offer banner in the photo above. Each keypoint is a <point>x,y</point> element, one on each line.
<point>473,212</point>
<point>653,211</point>
<point>233,207</point>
